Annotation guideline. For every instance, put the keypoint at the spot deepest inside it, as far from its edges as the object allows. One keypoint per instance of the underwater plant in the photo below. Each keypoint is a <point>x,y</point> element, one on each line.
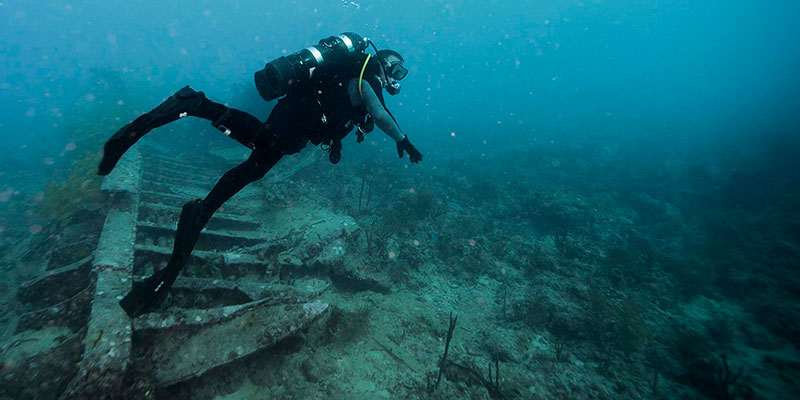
<point>562,355</point>
<point>713,378</point>
<point>616,326</point>
<point>725,379</point>
<point>537,311</point>
<point>443,363</point>
<point>81,190</point>
<point>88,122</point>
<point>632,261</point>
<point>630,330</point>
<point>565,244</point>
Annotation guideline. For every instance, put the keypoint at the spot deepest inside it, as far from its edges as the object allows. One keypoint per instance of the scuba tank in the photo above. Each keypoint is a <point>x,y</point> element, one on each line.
<point>286,74</point>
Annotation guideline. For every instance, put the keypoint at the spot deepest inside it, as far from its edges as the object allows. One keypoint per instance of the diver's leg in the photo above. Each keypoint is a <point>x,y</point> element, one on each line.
<point>251,170</point>
<point>237,124</point>
<point>151,292</point>
<point>178,105</point>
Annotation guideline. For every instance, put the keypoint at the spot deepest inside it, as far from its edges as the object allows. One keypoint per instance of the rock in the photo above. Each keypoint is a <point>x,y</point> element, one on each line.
<point>501,345</point>
<point>288,259</point>
<point>352,275</point>
<point>315,370</point>
<point>331,256</point>
<point>42,375</point>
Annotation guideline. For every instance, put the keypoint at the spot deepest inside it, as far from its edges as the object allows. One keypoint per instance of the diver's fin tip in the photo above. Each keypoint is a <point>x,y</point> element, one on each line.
<point>147,295</point>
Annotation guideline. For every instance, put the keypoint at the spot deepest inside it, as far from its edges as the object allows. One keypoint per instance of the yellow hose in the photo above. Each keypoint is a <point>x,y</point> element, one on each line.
<point>361,76</point>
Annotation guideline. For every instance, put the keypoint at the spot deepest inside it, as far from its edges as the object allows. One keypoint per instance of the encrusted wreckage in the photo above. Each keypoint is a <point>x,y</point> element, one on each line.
<point>73,341</point>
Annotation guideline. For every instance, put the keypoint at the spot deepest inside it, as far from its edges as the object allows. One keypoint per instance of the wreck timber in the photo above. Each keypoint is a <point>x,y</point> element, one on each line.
<point>228,303</point>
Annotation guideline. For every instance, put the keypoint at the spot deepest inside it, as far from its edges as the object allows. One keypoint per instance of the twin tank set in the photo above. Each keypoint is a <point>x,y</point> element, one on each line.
<point>281,75</point>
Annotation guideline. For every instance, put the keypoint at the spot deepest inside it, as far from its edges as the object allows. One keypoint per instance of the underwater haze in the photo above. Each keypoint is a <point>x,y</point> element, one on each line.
<point>607,205</point>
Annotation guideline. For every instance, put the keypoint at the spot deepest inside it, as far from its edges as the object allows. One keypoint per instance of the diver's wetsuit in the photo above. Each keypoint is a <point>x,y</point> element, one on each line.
<point>248,130</point>
<point>293,122</point>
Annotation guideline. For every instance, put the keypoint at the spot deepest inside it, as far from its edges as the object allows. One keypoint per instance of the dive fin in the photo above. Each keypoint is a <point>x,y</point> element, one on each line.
<point>184,102</point>
<point>149,293</point>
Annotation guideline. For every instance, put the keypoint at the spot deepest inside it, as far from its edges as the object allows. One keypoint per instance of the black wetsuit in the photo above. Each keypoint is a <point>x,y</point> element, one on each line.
<point>322,116</point>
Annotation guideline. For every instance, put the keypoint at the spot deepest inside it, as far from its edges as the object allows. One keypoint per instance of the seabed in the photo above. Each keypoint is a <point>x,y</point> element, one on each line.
<point>289,295</point>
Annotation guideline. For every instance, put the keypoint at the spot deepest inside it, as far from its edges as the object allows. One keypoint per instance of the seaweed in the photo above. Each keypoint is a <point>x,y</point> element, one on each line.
<point>562,355</point>
<point>615,326</point>
<point>450,330</point>
<point>80,190</point>
<point>725,379</point>
<point>536,311</point>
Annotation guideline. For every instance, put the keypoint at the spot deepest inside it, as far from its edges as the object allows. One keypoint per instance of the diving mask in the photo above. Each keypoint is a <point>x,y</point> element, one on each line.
<point>394,73</point>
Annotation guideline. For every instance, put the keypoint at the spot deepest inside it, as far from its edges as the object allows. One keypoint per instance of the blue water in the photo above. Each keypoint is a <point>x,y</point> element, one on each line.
<point>573,150</point>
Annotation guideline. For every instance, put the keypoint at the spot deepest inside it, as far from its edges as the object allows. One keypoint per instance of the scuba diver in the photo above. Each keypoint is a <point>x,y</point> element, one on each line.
<point>327,90</point>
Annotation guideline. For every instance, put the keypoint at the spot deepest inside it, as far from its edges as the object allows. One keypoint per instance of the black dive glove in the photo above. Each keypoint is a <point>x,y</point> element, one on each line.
<point>413,154</point>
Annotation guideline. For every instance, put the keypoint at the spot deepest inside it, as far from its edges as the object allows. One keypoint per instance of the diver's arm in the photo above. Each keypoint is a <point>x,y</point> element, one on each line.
<point>375,109</point>
<point>383,119</point>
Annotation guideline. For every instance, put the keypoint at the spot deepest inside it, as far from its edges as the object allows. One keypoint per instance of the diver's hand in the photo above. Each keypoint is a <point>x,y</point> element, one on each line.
<point>413,154</point>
